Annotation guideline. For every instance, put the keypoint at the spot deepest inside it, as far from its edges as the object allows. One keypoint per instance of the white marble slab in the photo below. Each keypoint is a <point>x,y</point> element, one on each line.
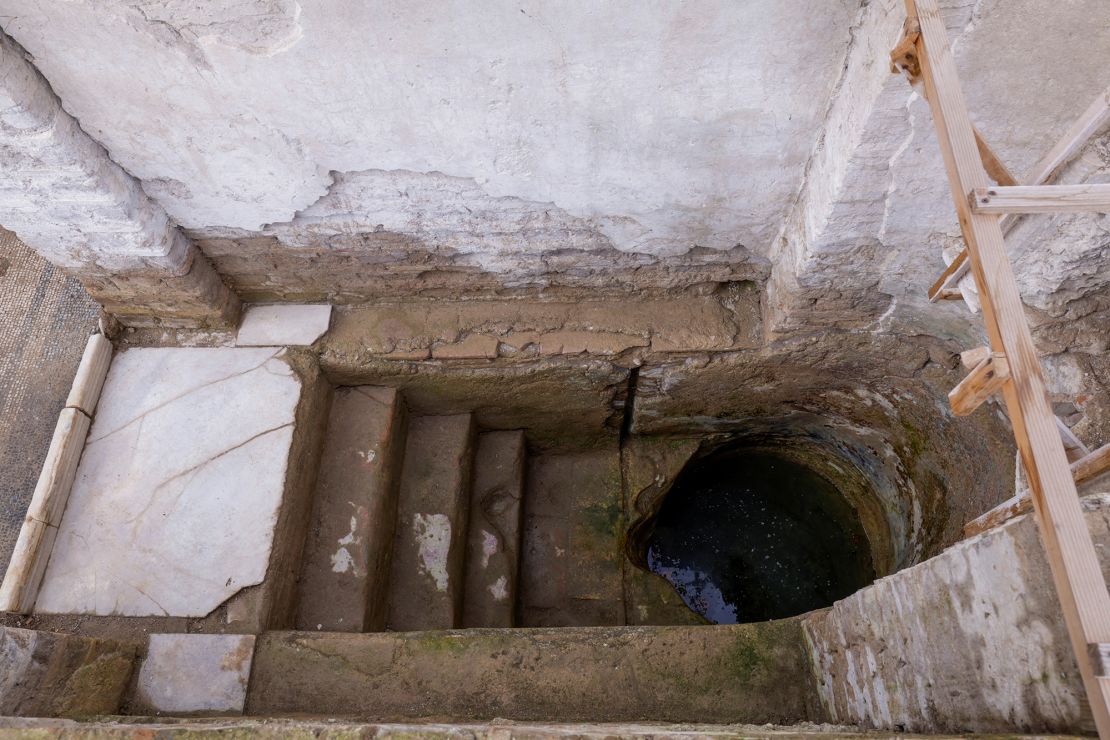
<point>196,673</point>
<point>283,325</point>
<point>177,493</point>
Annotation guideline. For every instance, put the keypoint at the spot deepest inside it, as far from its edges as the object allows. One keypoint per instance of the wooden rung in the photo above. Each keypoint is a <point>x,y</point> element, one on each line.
<point>999,515</point>
<point>950,277</point>
<point>972,357</point>
<point>1082,470</point>
<point>981,383</point>
<point>1100,658</point>
<point>950,294</point>
<point>1041,199</point>
<point>1091,465</point>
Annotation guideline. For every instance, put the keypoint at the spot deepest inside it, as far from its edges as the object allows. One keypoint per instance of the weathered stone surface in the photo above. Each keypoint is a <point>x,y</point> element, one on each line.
<point>530,163</point>
<point>969,641</point>
<point>649,468</point>
<point>344,584</point>
<point>181,484</point>
<point>43,674</point>
<point>289,325</point>
<point>572,562</point>
<point>739,673</point>
<point>429,547</point>
<point>187,674</point>
<point>69,201</point>
<point>493,536</point>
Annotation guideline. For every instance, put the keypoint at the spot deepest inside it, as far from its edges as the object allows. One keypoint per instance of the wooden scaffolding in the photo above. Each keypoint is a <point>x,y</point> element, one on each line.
<point>1010,365</point>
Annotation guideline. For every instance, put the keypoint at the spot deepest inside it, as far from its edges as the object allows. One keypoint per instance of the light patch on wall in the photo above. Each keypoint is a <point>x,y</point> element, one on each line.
<point>432,533</point>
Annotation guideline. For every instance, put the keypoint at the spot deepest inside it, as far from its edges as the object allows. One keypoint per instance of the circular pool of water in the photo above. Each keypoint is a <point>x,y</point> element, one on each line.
<point>747,535</point>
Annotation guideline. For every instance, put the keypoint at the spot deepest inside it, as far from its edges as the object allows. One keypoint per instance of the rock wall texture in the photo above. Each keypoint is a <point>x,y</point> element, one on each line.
<point>66,198</point>
<point>512,148</point>
<point>970,641</point>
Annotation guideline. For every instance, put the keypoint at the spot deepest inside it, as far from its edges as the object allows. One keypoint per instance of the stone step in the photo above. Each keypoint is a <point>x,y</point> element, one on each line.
<point>493,538</point>
<point>571,555</point>
<point>753,673</point>
<point>429,546</point>
<point>345,575</point>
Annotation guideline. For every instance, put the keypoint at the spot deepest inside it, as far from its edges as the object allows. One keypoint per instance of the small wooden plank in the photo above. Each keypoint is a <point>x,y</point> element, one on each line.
<point>985,379</point>
<point>997,171</point>
<point>973,357</point>
<point>1091,197</point>
<point>950,294</point>
<point>999,515</point>
<point>1073,446</point>
<point>951,275</point>
<point>89,380</point>
<point>1091,465</point>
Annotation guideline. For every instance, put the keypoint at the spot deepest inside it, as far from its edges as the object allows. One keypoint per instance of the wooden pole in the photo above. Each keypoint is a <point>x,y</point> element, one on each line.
<point>1067,541</point>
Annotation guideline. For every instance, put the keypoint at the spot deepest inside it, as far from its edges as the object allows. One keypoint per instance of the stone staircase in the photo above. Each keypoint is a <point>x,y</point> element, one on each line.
<point>417,521</point>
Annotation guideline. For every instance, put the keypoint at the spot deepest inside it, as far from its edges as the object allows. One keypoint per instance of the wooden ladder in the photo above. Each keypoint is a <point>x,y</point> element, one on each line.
<point>1010,365</point>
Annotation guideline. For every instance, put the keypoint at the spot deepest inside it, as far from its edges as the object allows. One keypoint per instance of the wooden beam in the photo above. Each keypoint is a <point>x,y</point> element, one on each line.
<point>1009,509</point>
<point>1072,142</point>
<point>994,166</point>
<point>1076,572</point>
<point>1041,199</point>
<point>1091,465</point>
<point>973,357</point>
<point>950,276</point>
<point>985,379</point>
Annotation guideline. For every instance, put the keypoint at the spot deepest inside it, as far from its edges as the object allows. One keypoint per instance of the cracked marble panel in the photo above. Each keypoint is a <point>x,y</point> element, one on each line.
<point>179,487</point>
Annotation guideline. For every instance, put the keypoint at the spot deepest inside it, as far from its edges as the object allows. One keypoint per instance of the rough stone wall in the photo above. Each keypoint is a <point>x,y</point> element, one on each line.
<point>970,641</point>
<point>69,201</point>
<point>44,674</point>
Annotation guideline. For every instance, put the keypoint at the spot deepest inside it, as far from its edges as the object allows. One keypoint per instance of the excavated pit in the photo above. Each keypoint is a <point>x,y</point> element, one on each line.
<point>748,534</point>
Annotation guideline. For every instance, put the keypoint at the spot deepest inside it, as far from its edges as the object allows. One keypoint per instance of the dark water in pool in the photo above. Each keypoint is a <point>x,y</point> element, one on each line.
<point>746,537</point>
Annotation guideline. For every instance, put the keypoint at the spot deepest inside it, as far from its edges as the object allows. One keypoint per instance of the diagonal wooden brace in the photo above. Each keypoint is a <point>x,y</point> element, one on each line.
<point>984,380</point>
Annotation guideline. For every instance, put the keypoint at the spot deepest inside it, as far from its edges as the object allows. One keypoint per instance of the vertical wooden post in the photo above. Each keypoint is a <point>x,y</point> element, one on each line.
<point>1067,541</point>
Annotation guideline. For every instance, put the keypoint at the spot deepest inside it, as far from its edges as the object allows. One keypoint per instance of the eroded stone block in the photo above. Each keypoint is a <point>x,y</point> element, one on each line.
<point>196,673</point>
